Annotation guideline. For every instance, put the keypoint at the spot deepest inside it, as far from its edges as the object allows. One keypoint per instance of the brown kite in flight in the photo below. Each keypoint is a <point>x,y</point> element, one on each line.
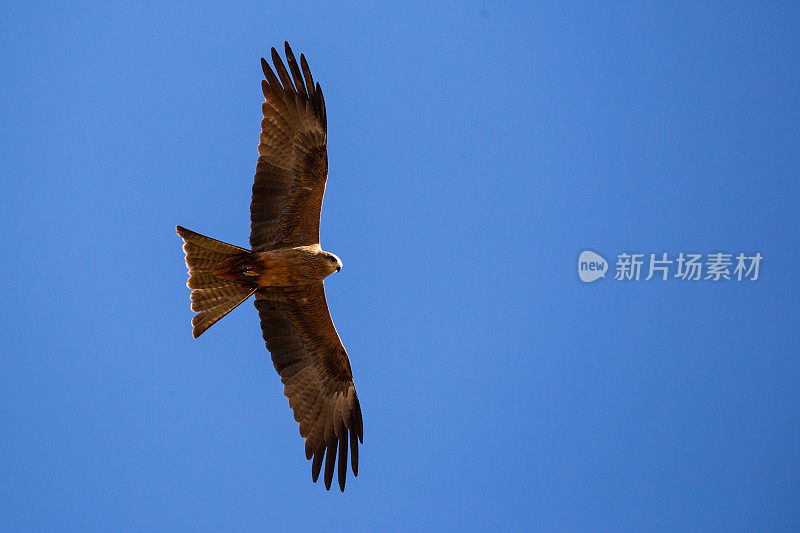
<point>285,268</point>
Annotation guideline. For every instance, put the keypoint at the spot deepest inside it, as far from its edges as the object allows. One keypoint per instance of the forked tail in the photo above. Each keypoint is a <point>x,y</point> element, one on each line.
<point>212,297</point>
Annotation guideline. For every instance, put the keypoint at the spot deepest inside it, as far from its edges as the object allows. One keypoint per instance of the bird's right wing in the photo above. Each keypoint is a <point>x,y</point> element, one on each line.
<point>315,371</point>
<point>292,158</point>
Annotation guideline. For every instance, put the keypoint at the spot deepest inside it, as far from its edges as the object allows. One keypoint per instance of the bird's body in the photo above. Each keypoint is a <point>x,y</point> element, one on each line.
<point>292,266</point>
<point>285,269</point>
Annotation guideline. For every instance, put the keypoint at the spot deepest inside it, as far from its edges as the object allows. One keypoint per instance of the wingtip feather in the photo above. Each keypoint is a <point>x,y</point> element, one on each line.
<point>316,466</point>
<point>330,461</point>
<point>354,453</point>
<point>342,460</point>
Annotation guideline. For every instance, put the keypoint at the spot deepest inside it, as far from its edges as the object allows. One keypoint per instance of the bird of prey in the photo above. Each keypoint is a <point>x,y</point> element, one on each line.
<point>285,268</point>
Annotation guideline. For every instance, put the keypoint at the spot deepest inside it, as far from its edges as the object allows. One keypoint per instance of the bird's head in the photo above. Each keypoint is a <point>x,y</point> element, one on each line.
<point>334,264</point>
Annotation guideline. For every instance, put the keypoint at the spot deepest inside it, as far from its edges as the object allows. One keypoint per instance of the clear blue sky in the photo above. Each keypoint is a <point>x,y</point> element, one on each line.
<point>474,153</point>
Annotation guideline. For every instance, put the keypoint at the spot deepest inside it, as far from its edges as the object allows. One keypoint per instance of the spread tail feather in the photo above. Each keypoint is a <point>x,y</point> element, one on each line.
<point>212,297</point>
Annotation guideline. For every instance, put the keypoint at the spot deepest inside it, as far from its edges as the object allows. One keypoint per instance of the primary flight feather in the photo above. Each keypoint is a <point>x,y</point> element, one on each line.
<point>285,268</point>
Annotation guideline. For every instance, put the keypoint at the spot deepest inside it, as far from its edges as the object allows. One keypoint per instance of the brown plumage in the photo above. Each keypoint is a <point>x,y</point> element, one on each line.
<point>285,269</point>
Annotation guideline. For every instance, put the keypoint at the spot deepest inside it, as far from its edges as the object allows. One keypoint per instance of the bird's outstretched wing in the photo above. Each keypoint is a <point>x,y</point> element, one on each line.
<point>292,157</point>
<point>315,371</point>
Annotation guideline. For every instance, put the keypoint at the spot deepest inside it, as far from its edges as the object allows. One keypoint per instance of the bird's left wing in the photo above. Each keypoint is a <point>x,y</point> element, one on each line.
<point>315,371</point>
